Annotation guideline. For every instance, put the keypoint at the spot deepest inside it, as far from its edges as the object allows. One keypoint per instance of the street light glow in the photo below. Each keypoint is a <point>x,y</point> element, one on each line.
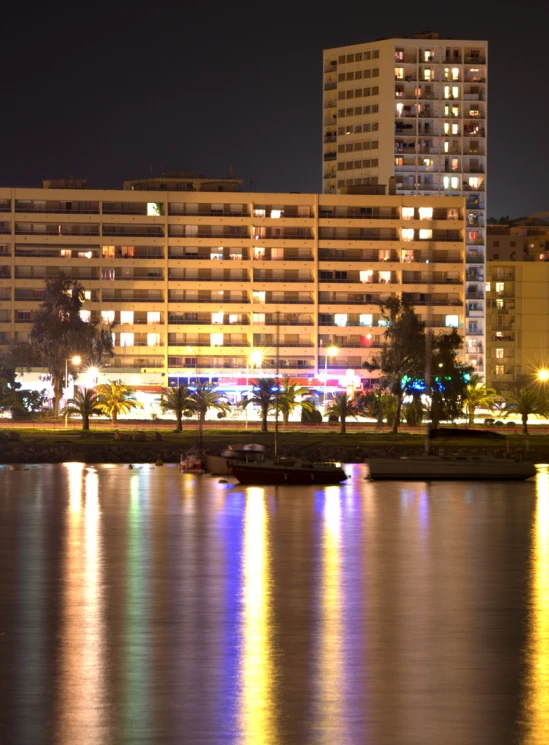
<point>76,360</point>
<point>332,351</point>
<point>543,375</point>
<point>256,357</point>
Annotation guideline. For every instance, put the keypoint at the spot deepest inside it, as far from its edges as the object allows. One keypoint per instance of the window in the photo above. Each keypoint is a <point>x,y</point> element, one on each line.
<point>446,146</point>
<point>500,370</point>
<point>499,303</point>
<point>454,164</point>
<point>365,319</point>
<point>488,286</point>
<point>399,73</point>
<point>259,252</point>
<point>455,91</point>
<point>427,74</point>
<point>455,128</point>
<point>126,340</point>
<point>366,275</point>
<point>384,277</point>
<point>499,353</point>
<point>153,316</point>
<point>455,73</point>
<point>474,182</point>
<point>399,161</point>
<point>500,286</point>
<point>108,252</point>
<point>453,214</point>
<point>350,58</point>
<point>258,296</point>
<point>258,319</point>
<point>126,316</point>
<point>85,315</point>
<point>154,209</point>
<point>340,319</point>
<point>375,73</point>
<point>425,235</point>
<point>107,316</point>
<point>452,322</point>
<point>277,254</point>
<point>233,318</point>
<point>153,340</point>
<point>407,234</point>
<point>218,317</point>
<point>277,213</point>
<point>216,340</point>
<point>454,182</point>
<point>425,213</point>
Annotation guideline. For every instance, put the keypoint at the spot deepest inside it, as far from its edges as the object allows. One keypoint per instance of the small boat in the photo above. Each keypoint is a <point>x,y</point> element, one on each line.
<point>446,468</point>
<point>193,462</point>
<point>218,464</point>
<point>288,471</point>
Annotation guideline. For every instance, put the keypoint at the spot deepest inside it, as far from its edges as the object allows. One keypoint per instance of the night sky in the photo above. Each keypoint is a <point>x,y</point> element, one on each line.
<point>115,93</point>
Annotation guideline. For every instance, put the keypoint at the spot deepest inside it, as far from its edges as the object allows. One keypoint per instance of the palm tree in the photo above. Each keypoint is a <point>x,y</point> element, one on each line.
<point>86,403</point>
<point>264,395</point>
<point>477,396</point>
<point>287,398</point>
<point>207,397</point>
<point>116,398</point>
<point>179,400</point>
<point>527,402</point>
<point>343,406</point>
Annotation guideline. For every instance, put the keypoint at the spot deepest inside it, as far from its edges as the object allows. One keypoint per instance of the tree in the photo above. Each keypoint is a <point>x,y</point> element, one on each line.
<point>370,404</point>
<point>448,377</point>
<point>403,350</point>
<point>85,403</point>
<point>115,398</point>
<point>179,400</point>
<point>527,402</point>
<point>342,406</point>
<point>477,396</point>
<point>206,396</point>
<point>58,333</point>
<point>264,395</point>
<point>287,398</point>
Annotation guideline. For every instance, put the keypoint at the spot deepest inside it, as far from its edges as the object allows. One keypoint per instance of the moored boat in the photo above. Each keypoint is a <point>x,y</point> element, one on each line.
<point>439,468</point>
<point>288,472</point>
<point>218,464</point>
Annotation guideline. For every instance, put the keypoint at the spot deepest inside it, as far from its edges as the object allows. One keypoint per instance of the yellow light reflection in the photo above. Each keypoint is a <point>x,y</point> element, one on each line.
<point>257,723</point>
<point>537,694</point>
<point>331,676</point>
<point>82,671</point>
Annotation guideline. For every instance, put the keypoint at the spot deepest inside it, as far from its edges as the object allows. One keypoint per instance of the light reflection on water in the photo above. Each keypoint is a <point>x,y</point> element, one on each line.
<point>142,606</point>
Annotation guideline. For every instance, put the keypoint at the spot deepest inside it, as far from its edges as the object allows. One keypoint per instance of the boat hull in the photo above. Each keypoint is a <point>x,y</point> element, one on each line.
<point>262,475</point>
<point>433,469</point>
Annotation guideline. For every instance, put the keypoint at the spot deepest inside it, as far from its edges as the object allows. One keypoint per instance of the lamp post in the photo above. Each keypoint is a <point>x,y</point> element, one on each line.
<point>254,360</point>
<point>76,360</point>
<point>330,352</point>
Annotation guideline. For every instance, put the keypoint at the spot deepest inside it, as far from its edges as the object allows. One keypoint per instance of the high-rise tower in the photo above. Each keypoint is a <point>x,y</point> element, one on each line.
<point>411,113</point>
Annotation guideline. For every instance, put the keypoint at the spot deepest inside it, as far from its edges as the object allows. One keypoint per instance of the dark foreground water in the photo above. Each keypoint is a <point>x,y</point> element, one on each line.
<point>148,607</point>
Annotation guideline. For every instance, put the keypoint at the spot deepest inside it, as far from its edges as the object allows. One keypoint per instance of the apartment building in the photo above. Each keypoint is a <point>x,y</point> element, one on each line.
<point>211,284</point>
<point>412,112</point>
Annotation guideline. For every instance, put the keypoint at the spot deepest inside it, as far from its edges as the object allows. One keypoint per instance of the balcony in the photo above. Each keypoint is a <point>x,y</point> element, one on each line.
<point>133,231</point>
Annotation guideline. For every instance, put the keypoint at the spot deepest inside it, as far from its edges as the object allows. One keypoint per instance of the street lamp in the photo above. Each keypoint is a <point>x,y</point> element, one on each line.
<point>330,352</point>
<point>543,375</point>
<point>254,360</point>
<point>76,360</point>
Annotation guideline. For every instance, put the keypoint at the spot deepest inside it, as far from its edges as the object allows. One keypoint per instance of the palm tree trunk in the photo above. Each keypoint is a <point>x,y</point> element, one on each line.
<point>113,418</point>
<point>57,390</point>
<point>201,417</point>
<point>525,424</point>
<point>342,429</point>
<point>264,413</point>
<point>471,421</point>
<point>285,417</point>
<point>179,415</point>
<point>85,423</point>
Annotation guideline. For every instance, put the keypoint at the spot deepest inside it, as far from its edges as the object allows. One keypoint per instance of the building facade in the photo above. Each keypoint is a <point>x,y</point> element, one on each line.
<point>412,113</point>
<point>211,284</point>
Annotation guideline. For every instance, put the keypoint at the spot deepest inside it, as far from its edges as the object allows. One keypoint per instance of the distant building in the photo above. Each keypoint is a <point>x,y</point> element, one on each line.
<point>183,181</point>
<point>411,112</point>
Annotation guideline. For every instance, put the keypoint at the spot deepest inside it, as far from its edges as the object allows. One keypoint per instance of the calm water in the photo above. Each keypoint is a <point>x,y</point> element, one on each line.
<point>148,607</point>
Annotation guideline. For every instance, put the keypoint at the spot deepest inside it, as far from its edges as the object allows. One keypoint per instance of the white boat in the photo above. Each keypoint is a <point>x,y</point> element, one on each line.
<point>218,464</point>
<point>445,468</point>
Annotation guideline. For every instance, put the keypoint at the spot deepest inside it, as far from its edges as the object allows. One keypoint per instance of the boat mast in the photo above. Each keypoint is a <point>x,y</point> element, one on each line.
<point>277,386</point>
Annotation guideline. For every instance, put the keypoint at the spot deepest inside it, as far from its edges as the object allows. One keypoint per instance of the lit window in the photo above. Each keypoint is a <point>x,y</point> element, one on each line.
<point>500,370</point>
<point>455,110</point>
<point>455,73</point>
<point>65,253</point>
<point>233,318</point>
<point>500,286</point>
<point>407,234</point>
<point>446,146</point>
<point>446,128</point>
<point>408,213</point>
<point>277,254</point>
<point>406,256</point>
<point>258,319</point>
<point>446,91</point>
<point>399,108</point>
<point>474,182</point>
<point>427,74</point>
<point>216,254</point>
<point>153,316</point>
<point>154,209</point>
<point>425,213</point>
<point>453,214</point>
<point>452,322</point>
<point>427,55</point>
<point>218,317</point>
<point>399,73</point>
<point>425,235</point>
<point>107,316</point>
<point>499,334</point>
<point>126,340</point>
<point>499,353</point>
<point>455,182</point>
<point>259,212</point>
<point>216,340</point>
<point>340,319</point>
<point>384,254</point>
<point>87,294</point>
<point>85,315</point>
<point>488,286</point>
<point>384,277</point>
<point>366,276</point>
<point>365,319</point>
<point>428,162</point>
<point>455,164</point>
<point>258,296</point>
<point>126,316</point>
<point>399,161</point>
<point>153,340</point>
<point>235,256</point>
<point>446,182</point>
<point>455,91</point>
<point>499,303</point>
<point>259,252</point>
<point>276,213</point>
<point>455,129</point>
